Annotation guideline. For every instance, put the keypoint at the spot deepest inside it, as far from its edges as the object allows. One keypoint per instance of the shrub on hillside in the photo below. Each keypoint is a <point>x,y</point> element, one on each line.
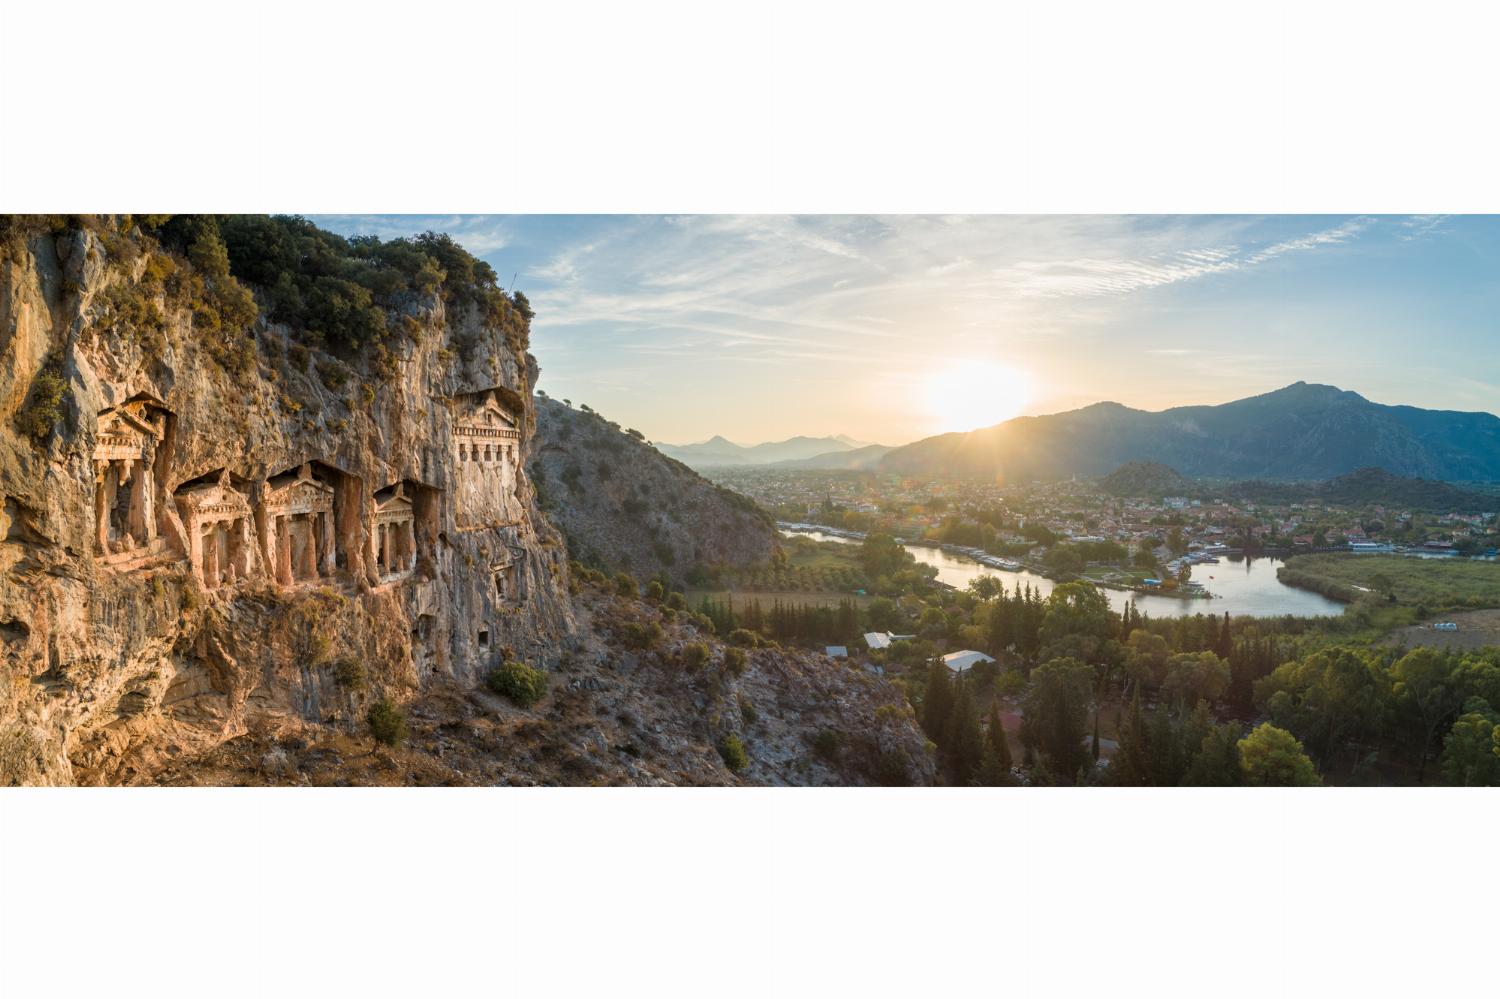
<point>522,684</point>
<point>694,656</point>
<point>387,723</point>
<point>641,636</point>
<point>733,752</point>
<point>735,660</point>
<point>745,637</point>
<point>42,411</point>
<point>349,673</point>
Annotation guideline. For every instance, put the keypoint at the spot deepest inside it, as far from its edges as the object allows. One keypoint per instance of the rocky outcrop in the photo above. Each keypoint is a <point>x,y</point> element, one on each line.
<point>625,506</point>
<point>208,530</point>
<point>613,715</point>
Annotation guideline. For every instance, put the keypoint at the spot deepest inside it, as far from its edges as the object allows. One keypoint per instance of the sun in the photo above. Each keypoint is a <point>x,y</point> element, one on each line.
<point>967,395</point>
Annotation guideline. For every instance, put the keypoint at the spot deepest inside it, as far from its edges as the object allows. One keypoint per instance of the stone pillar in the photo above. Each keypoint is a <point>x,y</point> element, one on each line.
<point>101,508</point>
<point>111,497</point>
<point>330,544</point>
<point>148,497</point>
<point>283,551</point>
<point>195,546</point>
<point>209,542</point>
<point>309,567</point>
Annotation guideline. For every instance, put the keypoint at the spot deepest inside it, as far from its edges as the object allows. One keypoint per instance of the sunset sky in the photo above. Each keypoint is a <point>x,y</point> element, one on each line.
<point>891,328</point>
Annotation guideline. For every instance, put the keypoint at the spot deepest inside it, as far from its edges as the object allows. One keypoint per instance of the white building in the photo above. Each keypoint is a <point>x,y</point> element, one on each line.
<point>958,662</point>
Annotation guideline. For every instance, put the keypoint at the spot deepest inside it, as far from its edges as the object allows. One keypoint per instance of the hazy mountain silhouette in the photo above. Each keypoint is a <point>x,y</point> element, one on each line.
<point>1299,432</point>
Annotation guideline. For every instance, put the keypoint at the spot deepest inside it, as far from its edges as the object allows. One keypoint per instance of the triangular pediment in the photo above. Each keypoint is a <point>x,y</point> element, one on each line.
<point>123,423</point>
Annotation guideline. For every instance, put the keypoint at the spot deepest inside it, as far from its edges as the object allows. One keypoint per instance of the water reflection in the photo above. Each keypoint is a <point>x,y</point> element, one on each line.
<point>1241,586</point>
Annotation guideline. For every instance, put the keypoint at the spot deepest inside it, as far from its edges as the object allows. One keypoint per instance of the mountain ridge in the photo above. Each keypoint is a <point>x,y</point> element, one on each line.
<point>720,452</point>
<point>1299,432</point>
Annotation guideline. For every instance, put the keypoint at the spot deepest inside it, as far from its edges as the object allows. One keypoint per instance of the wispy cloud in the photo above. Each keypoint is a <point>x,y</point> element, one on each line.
<point>795,320</point>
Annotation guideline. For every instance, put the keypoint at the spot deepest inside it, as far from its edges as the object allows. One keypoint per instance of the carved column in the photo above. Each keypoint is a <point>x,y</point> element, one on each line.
<point>209,544</point>
<point>195,546</point>
<point>283,551</point>
<point>329,543</point>
<point>101,507</point>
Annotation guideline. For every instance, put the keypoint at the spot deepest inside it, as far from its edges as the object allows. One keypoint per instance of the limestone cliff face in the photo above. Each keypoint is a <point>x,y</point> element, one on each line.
<point>196,546</point>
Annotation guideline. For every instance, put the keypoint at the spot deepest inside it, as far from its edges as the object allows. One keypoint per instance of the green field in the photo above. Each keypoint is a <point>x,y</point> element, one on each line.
<point>1435,584</point>
<point>741,598</point>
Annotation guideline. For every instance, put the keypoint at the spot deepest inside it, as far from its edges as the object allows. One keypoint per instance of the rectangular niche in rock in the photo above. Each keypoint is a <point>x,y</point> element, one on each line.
<point>393,535</point>
<point>299,531</point>
<point>217,520</point>
<point>125,444</point>
<point>486,457</point>
<point>506,572</point>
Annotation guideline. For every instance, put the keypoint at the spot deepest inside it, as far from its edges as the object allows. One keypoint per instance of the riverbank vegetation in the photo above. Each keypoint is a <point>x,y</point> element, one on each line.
<point>1430,585</point>
<point>1081,693</point>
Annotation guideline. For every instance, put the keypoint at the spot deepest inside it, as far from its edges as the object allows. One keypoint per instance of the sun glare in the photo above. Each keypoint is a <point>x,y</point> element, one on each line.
<point>967,395</point>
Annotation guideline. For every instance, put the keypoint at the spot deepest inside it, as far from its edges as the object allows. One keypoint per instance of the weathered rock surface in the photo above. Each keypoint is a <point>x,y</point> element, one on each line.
<point>625,506</point>
<point>611,717</point>
<point>105,653</point>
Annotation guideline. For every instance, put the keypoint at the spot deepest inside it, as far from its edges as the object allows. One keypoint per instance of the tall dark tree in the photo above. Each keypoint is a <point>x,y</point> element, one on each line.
<point>962,744</point>
<point>997,741</point>
<point>937,702</point>
<point>1131,764</point>
<point>1057,713</point>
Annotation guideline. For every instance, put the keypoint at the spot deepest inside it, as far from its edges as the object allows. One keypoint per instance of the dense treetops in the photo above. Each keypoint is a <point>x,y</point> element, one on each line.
<point>336,289</point>
<point>331,291</point>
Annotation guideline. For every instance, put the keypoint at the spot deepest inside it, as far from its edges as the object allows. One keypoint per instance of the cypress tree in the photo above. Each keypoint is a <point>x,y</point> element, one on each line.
<point>1132,761</point>
<point>999,744</point>
<point>963,746</point>
<point>937,701</point>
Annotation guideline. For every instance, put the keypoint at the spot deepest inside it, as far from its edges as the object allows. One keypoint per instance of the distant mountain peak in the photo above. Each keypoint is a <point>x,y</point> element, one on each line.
<point>1301,431</point>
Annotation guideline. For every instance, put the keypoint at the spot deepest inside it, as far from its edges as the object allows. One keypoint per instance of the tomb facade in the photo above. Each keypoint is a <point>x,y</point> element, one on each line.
<point>125,500</point>
<point>217,520</point>
<point>299,537</point>
<point>487,447</point>
<point>393,534</point>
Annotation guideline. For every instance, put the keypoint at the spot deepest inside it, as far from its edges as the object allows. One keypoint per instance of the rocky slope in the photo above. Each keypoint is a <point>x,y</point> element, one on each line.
<point>612,716</point>
<point>1299,432</point>
<point>625,506</point>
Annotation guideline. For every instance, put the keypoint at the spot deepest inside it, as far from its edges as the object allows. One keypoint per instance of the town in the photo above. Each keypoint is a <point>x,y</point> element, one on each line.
<point>1081,525</point>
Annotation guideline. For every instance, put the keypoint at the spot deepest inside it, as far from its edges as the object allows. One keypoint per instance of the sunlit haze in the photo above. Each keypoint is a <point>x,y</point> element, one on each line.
<point>892,328</point>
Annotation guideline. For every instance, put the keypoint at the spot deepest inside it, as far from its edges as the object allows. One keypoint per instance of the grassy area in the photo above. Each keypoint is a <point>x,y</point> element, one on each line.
<point>741,598</point>
<point>1432,584</point>
<point>828,555</point>
<point>810,568</point>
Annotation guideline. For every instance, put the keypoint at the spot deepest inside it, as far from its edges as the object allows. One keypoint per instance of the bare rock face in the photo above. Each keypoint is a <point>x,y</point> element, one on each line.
<point>625,506</point>
<point>194,549</point>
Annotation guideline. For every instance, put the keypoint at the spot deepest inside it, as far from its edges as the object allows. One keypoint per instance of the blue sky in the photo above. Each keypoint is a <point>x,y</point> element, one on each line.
<point>890,328</point>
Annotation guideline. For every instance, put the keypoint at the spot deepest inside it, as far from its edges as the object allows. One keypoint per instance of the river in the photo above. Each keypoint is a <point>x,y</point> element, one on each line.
<point>1240,586</point>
